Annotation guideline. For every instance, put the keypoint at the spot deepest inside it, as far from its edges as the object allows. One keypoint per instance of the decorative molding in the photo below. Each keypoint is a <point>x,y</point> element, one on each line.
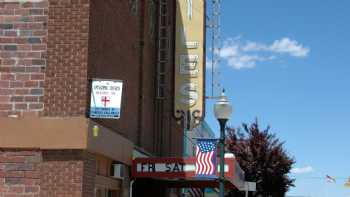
<point>188,119</point>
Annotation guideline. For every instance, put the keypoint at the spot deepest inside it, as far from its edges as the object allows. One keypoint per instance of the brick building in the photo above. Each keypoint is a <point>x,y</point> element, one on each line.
<point>50,50</point>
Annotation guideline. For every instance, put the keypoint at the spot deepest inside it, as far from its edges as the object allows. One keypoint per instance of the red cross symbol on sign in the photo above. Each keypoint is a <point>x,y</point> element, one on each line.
<point>105,100</point>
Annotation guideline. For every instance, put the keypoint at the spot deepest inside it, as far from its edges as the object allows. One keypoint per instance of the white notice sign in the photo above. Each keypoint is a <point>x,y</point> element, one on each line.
<point>106,98</point>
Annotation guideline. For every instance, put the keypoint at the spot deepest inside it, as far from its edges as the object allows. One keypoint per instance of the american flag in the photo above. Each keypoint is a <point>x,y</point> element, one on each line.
<point>206,157</point>
<point>330,179</point>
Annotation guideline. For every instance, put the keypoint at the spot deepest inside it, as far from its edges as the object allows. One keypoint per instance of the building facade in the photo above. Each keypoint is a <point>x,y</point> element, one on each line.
<point>50,51</point>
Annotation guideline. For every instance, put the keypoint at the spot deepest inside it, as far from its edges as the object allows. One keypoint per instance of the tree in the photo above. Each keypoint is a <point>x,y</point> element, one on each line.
<point>263,159</point>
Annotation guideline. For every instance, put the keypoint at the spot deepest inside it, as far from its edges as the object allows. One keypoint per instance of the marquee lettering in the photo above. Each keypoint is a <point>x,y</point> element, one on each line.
<point>189,92</point>
<point>174,167</point>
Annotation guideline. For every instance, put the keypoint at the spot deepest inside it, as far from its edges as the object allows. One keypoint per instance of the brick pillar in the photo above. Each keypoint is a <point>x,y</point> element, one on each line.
<point>66,73</point>
<point>43,173</point>
<point>89,175</point>
<point>67,173</point>
<point>23,35</point>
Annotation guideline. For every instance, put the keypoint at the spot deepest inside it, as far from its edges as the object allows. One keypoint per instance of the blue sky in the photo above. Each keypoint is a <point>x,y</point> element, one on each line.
<point>288,63</point>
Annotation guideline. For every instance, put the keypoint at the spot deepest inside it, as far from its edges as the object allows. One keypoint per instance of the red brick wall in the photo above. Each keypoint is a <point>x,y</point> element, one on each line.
<point>48,37</point>
<point>62,174</point>
<point>67,173</point>
<point>54,173</point>
<point>46,67</point>
<point>19,173</point>
<point>89,175</point>
<point>66,73</point>
<point>23,35</point>
<point>122,45</point>
<point>114,48</point>
<point>148,72</point>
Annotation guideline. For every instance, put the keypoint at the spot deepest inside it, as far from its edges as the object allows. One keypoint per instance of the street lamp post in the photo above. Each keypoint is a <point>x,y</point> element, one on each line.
<point>222,111</point>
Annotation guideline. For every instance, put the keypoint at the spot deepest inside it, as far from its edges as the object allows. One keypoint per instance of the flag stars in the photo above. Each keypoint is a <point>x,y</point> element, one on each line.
<point>206,146</point>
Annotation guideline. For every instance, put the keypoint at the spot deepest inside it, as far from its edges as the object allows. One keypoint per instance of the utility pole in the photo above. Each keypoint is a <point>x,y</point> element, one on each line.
<point>214,23</point>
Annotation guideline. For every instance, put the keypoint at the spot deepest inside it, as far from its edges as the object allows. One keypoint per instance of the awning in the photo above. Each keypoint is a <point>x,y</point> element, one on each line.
<point>180,172</point>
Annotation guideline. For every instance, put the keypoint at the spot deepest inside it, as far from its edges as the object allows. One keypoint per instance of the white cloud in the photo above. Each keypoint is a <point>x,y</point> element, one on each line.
<point>302,170</point>
<point>244,61</point>
<point>254,46</point>
<point>239,54</point>
<point>291,47</point>
<point>229,51</point>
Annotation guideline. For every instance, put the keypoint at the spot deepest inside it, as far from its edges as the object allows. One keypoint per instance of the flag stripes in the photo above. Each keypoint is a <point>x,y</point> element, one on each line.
<point>195,192</point>
<point>205,157</point>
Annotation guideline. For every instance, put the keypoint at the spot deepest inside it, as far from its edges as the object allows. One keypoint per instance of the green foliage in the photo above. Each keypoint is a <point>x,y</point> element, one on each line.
<point>262,157</point>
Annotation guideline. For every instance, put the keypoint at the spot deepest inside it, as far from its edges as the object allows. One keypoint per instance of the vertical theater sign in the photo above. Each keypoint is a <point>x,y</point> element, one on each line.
<point>189,61</point>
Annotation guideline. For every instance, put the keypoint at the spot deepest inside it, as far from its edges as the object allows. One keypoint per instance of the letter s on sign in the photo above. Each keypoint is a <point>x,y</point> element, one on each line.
<point>168,168</point>
<point>189,94</point>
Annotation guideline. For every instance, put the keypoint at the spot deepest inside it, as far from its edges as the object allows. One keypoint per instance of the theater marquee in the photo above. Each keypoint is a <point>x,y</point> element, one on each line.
<point>183,169</point>
<point>189,60</point>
